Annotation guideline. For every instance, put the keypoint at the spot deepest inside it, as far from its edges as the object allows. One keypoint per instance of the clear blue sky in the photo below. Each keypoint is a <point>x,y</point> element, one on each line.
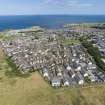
<point>23,7</point>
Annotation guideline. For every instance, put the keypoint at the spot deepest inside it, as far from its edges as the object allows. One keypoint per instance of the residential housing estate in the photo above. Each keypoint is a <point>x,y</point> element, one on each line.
<point>59,64</point>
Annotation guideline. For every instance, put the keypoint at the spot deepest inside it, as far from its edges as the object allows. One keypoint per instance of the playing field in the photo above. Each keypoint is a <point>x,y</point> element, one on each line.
<point>33,90</point>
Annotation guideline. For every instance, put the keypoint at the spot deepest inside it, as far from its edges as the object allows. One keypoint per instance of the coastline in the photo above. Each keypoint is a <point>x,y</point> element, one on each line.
<point>46,21</point>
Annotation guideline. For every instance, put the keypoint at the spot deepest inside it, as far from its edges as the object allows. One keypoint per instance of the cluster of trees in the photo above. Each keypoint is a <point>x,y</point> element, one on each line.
<point>101,26</point>
<point>95,53</point>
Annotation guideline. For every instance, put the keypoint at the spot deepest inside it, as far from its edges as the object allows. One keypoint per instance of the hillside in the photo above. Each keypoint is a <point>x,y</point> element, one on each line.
<point>33,90</point>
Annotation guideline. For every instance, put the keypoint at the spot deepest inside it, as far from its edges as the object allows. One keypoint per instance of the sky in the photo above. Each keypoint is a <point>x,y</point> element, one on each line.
<point>39,7</point>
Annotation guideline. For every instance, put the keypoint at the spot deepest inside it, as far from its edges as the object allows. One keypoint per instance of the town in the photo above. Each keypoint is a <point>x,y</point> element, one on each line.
<point>57,54</point>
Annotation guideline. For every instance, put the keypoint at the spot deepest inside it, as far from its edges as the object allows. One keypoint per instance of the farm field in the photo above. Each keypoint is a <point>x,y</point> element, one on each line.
<point>34,90</point>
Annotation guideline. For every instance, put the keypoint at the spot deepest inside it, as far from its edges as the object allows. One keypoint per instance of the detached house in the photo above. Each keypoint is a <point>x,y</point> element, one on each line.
<point>55,82</point>
<point>79,79</point>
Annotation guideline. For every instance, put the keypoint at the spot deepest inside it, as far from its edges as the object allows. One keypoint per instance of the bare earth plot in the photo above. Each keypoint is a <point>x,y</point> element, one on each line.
<point>33,90</point>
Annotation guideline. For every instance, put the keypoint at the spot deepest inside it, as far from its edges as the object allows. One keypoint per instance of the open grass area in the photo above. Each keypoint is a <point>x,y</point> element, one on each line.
<point>5,36</point>
<point>33,90</point>
<point>71,41</point>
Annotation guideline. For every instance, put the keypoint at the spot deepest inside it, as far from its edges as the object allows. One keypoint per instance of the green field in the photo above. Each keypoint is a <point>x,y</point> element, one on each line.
<point>5,36</point>
<point>71,41</point>
<point>33,90</point>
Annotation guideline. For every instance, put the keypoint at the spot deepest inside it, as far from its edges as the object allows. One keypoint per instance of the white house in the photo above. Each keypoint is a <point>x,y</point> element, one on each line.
<point>45,72</point>
<point>68,68</point>
<point>55,82</point>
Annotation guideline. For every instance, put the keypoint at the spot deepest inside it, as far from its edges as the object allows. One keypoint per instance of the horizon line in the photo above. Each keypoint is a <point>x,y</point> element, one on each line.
<point>53,14</point>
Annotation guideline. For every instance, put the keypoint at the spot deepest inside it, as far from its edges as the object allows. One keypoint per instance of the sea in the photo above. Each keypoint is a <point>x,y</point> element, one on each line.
<point>46,21</point>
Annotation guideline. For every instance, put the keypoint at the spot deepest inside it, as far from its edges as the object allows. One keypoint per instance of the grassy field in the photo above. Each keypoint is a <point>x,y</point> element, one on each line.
<point>33,90</point>
<point>71,41</point>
